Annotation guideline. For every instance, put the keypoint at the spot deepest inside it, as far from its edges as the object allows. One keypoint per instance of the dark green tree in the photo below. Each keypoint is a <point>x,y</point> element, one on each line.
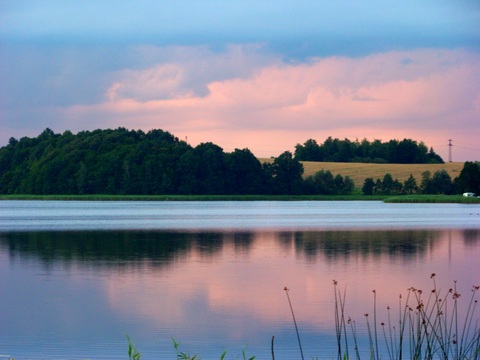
<point>469,178</point>
<point>434,158</point>
<point>397,187</point>
<point>287,174</point>
<point>378,188</point>
<point>387,184</point>
<point>309,151</point>
<point>410,185</point>
<point>442,183</point>
<point>406,151</point>
<point>348,186</point>
<point>368,186</point>
<point>320,183</point>
<point>244,173</point>
<point>187,168</point>
<point>426,183</point>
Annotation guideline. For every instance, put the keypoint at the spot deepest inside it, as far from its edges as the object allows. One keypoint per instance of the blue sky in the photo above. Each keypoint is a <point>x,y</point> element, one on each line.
<point>259,74</point>
<point>297,29</point>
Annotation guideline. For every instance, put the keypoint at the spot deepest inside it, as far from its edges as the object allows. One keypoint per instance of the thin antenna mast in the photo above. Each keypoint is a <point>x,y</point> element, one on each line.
<point>450,150</point>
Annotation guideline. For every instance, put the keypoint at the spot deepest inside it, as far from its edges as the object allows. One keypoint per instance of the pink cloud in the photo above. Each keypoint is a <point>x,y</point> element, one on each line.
<point>422,94</point>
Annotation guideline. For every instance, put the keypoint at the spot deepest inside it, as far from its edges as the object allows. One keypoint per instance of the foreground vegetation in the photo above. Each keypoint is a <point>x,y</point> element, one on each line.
<point>429,326</point>
<point>433,324</point>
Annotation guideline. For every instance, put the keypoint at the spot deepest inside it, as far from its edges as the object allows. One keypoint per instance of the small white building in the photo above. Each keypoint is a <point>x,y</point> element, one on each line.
<point>469,194</point>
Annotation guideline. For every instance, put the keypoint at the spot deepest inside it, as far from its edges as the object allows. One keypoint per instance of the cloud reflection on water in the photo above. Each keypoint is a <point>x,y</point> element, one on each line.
<point>228,287</point>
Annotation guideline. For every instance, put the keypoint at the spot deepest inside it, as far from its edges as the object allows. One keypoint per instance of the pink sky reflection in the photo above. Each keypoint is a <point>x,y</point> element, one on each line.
<point>250,286</point>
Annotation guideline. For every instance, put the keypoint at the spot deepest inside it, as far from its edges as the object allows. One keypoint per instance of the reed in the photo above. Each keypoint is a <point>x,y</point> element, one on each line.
<point>295,322</point>
<point>183,355</point>
<point>429,327</point>
<point>133,354</point>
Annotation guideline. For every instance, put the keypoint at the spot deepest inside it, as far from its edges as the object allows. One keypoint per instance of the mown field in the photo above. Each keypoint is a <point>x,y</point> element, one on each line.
<point>358,172</point>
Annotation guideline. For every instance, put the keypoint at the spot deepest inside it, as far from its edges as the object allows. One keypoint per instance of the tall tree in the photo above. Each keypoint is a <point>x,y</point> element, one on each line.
<point>368,186</point>
<point>244,173</point>
<point>287,174</point>
<point>442,183</point>
<point>469,178</point>
<point>410,185</point>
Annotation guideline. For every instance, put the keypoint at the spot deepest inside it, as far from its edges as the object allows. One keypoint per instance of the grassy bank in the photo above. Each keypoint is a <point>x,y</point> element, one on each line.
<point>433,199</point>
<point>356,197</point>
<point>102,197</point>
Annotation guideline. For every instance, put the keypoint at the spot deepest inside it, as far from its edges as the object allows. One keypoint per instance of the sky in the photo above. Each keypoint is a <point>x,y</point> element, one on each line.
<point>263,75</point>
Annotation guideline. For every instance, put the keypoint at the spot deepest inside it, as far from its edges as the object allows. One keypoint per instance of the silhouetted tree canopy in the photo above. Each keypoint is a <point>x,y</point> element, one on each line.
<point>125,161</point>
<point>395,152</point>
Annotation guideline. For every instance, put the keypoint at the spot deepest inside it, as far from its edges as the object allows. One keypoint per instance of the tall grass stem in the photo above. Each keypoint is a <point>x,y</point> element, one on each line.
<point>295,322</point>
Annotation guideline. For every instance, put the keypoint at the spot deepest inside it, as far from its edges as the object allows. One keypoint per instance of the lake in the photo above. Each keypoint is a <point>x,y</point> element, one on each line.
<point>77,277</point>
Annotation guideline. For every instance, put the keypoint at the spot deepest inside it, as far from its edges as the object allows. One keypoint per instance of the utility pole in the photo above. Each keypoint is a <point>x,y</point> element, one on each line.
<point>450,150</point>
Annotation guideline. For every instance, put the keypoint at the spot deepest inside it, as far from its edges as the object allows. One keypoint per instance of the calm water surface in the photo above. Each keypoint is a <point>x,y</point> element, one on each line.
<point>76,277</point>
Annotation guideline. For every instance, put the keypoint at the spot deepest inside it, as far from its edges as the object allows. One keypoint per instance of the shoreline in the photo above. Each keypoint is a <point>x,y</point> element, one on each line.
<point>385,198</point>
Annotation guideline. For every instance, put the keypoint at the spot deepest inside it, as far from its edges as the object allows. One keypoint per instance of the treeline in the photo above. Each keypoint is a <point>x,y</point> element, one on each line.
<point>393,152</point>
<point>438,183</point>
<point>133,162</point>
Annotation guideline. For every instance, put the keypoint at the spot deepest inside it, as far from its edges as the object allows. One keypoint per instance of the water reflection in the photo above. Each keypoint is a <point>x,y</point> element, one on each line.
<point>471,237</point>
<point>344,244</point>
<point>210,290</point>
<point>118,248</point>
<point>109,248</point>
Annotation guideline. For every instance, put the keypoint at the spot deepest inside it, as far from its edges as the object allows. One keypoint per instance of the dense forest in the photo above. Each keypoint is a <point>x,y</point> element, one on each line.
<point>406,151</point>
<point>125,161</point>
<point>121,162</point>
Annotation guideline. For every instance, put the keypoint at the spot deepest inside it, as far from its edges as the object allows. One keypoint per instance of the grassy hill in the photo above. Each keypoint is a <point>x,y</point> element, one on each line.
<point>360,171</point>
